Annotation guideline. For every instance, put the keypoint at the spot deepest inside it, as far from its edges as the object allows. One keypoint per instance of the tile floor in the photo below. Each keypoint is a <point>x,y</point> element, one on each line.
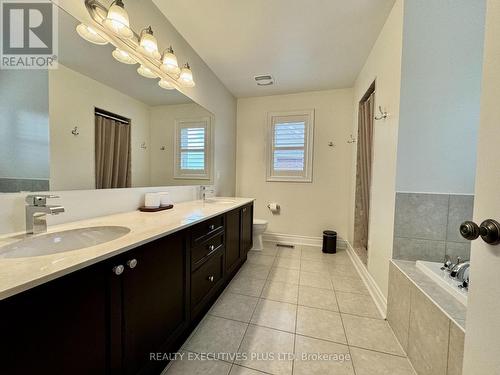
<point>293,311</point>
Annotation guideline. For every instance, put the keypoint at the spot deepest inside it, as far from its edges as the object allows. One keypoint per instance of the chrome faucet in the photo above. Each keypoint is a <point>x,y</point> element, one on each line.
<point>203,191</point>
<point>459,270</point>
<point>37,211</point>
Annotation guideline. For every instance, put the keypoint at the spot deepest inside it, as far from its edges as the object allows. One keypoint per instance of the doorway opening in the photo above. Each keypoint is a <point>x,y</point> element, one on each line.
<point>364,173</point>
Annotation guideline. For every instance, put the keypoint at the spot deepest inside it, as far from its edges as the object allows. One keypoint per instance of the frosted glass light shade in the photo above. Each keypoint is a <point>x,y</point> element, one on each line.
<point>90,35</point>
<point>146,72</point>
<point>164,84</point>
<point>186,77</point>
<point>169,63</point>
<point>117,20</point>
<point>148,44</point>
<point>123,57</point>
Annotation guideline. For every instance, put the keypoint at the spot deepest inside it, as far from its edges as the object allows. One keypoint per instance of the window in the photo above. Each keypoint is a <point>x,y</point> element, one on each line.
<point>192,149</point>
<point>290,146</point>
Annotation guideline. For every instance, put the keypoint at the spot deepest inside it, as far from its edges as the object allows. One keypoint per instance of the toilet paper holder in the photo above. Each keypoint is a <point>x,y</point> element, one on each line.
<point>274,207</point>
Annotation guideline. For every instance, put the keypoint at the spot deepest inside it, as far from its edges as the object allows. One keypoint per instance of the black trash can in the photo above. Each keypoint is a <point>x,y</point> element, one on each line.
<point>329,241</point>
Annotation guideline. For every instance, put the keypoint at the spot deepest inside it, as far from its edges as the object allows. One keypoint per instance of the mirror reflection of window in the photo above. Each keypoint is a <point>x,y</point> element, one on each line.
<point>192,148</point>
<point>24,131</point>
<point>112,150</point>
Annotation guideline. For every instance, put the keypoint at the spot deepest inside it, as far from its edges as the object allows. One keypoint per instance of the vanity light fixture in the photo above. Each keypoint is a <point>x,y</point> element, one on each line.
<point>123,57</point>
<point>90,35</point>
<point>146,72</point>
<point>164,84</point>
<point>148,45</point>
<point>169,63</point>
<point>186,77</point>
<point>112,26</point>
<point>117,20</point>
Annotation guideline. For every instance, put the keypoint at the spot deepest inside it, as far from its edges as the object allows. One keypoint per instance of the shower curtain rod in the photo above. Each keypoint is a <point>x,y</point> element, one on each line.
<point>111,116</point>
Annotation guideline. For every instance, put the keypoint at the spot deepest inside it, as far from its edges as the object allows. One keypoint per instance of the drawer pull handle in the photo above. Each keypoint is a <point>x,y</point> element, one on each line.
<point>211,247</point>
<point>211,279</point>
<point>118,270</point>
<point>132,263</point>
<point>211,227</point>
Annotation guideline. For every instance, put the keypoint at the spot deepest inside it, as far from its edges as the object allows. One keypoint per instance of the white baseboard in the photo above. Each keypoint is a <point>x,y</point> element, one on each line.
<point>375,292</point>
<point>299,240</point>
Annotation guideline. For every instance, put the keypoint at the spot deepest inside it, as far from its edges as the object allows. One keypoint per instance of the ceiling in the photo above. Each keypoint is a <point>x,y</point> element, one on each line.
<point>305,44</point>
<point>97,63</point>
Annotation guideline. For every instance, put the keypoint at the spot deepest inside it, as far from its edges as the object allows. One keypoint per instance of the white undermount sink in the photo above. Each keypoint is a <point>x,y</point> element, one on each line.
<point>58,242</point>
<point>220,200</point>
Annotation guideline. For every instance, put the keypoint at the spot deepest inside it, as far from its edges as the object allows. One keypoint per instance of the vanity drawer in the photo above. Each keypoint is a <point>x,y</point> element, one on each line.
<point>201,232</point>
<point>206,279</point>
<point>206,248</point>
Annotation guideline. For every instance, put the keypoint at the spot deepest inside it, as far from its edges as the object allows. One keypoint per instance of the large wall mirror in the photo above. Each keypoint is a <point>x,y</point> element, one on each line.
<point>94,123</point>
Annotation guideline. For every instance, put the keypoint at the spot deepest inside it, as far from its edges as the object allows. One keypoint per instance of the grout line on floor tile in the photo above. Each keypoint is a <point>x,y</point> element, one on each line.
<point>251,316</point>
<point>345,334</point>
<point>363,316</point>
<point>296,315</point>
<point>379,351</point>
<point>250,368</point>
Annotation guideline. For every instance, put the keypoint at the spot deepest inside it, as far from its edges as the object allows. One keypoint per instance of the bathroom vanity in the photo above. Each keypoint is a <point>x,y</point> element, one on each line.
<point>122,306</point>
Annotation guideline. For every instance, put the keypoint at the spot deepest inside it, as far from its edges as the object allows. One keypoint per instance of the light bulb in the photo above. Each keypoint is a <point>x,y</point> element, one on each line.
<point>148,44</point>
<point>123,57</point>
<point>117,20</point>
<point>169,63</point>
<point>167,85</point>
<point>90,35</point>
<point>186,76</point>
<point>146,72</point>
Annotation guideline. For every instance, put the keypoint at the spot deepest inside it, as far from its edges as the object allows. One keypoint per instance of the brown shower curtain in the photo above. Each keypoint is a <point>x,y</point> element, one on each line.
<point>112,153</point>
<point>363,175</point>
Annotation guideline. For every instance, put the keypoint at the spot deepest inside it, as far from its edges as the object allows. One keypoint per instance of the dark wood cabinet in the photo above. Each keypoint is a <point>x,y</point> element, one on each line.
<point>206,281</point>
<point>59,327</point>
<point>233,246</point>
<point>102,321</point>
<point>246,229</point>
<point>154,296</point>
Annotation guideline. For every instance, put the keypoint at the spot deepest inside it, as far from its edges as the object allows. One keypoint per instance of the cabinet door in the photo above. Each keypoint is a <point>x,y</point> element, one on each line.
<point>154,310</point>
<point>56,328</point>
<point>246,229</point>
<point>233,256</point>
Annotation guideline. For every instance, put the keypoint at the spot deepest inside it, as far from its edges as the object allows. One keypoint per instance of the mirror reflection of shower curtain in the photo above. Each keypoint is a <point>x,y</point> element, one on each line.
<point>363,176</point>
<point>112,153</point>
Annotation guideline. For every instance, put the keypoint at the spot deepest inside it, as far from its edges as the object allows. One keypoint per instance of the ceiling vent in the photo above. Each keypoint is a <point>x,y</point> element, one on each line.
<point>264,80</point>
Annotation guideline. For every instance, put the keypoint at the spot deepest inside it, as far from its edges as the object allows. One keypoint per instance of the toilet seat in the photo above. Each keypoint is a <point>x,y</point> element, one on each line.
<point>259,222</point>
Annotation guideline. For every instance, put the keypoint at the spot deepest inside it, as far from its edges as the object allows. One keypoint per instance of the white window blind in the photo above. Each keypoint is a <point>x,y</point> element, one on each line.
<point>290,146</point>
<point>192,149</point>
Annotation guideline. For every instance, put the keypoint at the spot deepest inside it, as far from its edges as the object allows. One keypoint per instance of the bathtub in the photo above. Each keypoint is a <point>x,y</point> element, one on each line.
<point>433,270</point>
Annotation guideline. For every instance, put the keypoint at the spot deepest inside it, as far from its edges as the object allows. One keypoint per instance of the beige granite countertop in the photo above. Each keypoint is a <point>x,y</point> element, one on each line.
<point>20,274</point>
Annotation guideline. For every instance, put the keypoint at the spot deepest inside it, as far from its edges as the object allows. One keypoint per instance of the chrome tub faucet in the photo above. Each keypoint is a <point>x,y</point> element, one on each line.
<point>37,211</point>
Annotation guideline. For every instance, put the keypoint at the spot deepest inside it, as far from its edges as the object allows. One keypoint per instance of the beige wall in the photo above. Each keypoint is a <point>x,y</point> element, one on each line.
<point>209,92</point>
<point>72,101</point>
<point>306,208</point>
<point>383,66</point>
<point>163,134</point>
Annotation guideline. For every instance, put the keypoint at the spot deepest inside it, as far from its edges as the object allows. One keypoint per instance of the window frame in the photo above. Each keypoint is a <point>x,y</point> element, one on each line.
<point>290,176</point>
<point>189,174</point>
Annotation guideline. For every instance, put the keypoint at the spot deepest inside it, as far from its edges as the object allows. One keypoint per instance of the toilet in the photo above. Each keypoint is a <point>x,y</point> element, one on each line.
<point>259,227</point>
